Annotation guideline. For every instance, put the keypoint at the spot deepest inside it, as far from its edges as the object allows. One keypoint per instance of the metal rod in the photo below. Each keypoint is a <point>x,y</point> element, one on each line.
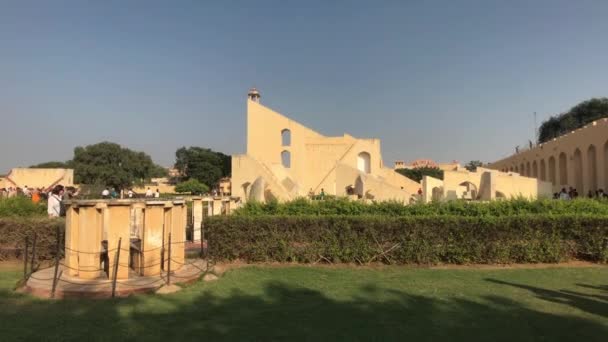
<point>115,270</point>
<point>169,263</point>
<point>33,252</point>
<point>56,264</point>
<point>25,259</point>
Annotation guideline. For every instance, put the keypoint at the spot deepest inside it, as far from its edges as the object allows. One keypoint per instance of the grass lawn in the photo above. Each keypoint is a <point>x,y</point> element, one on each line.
<point>319,303</point>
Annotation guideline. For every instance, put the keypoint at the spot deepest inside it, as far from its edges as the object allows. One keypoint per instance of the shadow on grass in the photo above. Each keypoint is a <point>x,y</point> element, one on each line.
<point>591,303</point>
<point>286,312</point>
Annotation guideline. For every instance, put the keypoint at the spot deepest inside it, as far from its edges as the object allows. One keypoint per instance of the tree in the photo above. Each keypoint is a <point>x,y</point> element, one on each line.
<point>158,172</point>
<point>473,165</point>
<point>416,174</point>
<point>111,165</point>
<point>52,165</point>
<point>192,186</point>
<point>202,164</point>
<point>577,117</point>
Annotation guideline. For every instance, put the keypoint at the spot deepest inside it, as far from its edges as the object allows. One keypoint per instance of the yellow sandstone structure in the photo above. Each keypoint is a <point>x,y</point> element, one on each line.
<point>286,160</point>
<point>37,178</point>
<point>578,159</point>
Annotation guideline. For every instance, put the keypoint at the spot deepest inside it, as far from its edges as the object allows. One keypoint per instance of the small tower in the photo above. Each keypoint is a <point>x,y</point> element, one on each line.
<point>254,95</point>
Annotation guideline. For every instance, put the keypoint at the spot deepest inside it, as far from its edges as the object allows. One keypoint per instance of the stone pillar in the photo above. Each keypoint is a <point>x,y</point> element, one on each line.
<point>90,227</point>
<point>217,206</point>
<point>118,227</point>
<point>72,221</point>
<point>197,217</point>
<point>137,220</point>
<point>152,239</point>
<point>168,219</point>
<point>178,234</point>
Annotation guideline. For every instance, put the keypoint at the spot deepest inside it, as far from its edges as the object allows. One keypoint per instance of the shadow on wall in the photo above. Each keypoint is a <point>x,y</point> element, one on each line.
<point>289,312</point>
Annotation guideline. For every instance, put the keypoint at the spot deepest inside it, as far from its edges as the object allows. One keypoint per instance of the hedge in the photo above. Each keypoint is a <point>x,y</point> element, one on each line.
<point>21,206</point>
<point>408,240</point>
<point>14,230</point>
<point>342,206</point>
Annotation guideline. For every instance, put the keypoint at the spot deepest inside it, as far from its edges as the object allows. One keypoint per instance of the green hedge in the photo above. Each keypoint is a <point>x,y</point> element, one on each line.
<point>14,230</point>
<point>342,206</point>
<point>21,206</point>
<point>408,240</point>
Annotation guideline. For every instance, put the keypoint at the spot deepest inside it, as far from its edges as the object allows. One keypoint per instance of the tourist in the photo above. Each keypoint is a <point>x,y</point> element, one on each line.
<point>55,203</point>
<point>563,195</point>
<point>311,194</point>
<point>36,196</point>
<point>130,193</point>
<point>149,193</point>
<point>113,194</point>
<point>322,194</point>
<point>3,193</point>
<point>419,191</point>
<point>27,192</point>
<point>157,194</point>
<point>601,194</point>
<point>105,193</point>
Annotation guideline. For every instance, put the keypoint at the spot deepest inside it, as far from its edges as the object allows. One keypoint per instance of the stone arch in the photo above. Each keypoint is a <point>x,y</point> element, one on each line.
<point>286,159</point>
<point>563,169</point>
<point>516,169</point>
<point>364,162</point>
<point>534,169</point>
<point>286,137</point>
<point>471,190</point>
<point>543,170</point>
<point>592,168</point>
<point>528,173</point>
<point>552,176</point>
<point>578,170</point>
<point>436,194</point>
<point>522,169</point>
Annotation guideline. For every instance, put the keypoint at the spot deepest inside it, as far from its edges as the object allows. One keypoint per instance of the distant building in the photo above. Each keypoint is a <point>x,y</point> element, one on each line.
<point>454,165</point>
<point>224,186</point>
<point>37,178</point>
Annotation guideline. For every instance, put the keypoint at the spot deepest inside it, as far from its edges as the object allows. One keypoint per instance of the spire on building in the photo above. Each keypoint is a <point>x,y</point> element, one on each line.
<point>254,95</point>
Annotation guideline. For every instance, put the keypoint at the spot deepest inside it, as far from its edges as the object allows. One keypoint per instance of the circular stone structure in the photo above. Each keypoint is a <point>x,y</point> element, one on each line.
<point>40,284</point>
<point>135,245</point>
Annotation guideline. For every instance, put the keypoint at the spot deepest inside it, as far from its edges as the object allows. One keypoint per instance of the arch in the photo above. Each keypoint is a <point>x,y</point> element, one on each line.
<point>522,169</point>
<point>543,170</point>
<point>606,166</point>
<point>534,169</point>
<point>528,173</point>
<point>592,168</point>
<point>552,177</point>
<point>436,194</point>
<point>286,137</point>
<point>578,171</point>
<point>364,162</point>
<point>511,169</point>
<point>286,159</point>
<point>563,169</point>
<point>471,190</point>
<point>516,169</point>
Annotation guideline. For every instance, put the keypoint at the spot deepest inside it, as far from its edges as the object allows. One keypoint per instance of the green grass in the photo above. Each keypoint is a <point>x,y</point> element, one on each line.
<point>314,303</point>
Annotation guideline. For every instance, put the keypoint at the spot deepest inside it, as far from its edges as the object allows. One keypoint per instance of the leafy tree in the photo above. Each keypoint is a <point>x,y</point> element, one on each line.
<point>192,186</point>
<point>110,164</point>
<point>473,165</point>
<point>416,174</point>
<point>52,165</point>
<point>158,172</point>
<point>577,117</point>
<point>202,164</point>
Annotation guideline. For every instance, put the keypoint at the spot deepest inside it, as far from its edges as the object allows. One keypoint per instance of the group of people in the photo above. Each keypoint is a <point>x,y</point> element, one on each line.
<point>571,193</point>
<point>35,194</point>
<point>111,193</point>
<point>312,196</point>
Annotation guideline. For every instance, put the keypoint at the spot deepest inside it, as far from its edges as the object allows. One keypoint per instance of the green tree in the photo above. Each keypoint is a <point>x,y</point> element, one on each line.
<point>52,165</point>
<point>473,165</point>
<point>577,117</point>
<point>202,164</point>
<point>111,164</point>
<point>416,174</point>
<point>192,186</point>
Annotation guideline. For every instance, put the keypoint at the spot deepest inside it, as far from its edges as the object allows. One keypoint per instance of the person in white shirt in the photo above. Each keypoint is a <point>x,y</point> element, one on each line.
<point>149,193</point>
<point>130,193</point>
<point>157,194</point>
<point>54,202</point>
<point>26,191</point>
<point>105,193</point>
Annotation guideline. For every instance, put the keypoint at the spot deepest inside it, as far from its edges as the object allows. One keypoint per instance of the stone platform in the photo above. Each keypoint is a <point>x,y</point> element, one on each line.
<point>40,283</point>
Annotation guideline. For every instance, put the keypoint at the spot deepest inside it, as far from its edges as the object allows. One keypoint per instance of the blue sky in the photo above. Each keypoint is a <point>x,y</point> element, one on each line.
<point>433,79</point>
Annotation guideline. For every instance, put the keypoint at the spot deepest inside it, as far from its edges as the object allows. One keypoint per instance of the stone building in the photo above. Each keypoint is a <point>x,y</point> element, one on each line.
<point>286,160</point>
<point>578,159</point>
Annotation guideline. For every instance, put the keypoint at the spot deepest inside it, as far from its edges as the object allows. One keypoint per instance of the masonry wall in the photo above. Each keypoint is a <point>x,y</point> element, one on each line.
<point>578,159</point>
<point>38,178</point>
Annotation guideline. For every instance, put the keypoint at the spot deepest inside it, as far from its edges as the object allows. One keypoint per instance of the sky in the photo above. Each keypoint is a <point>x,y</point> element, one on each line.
<point>443,80</point>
